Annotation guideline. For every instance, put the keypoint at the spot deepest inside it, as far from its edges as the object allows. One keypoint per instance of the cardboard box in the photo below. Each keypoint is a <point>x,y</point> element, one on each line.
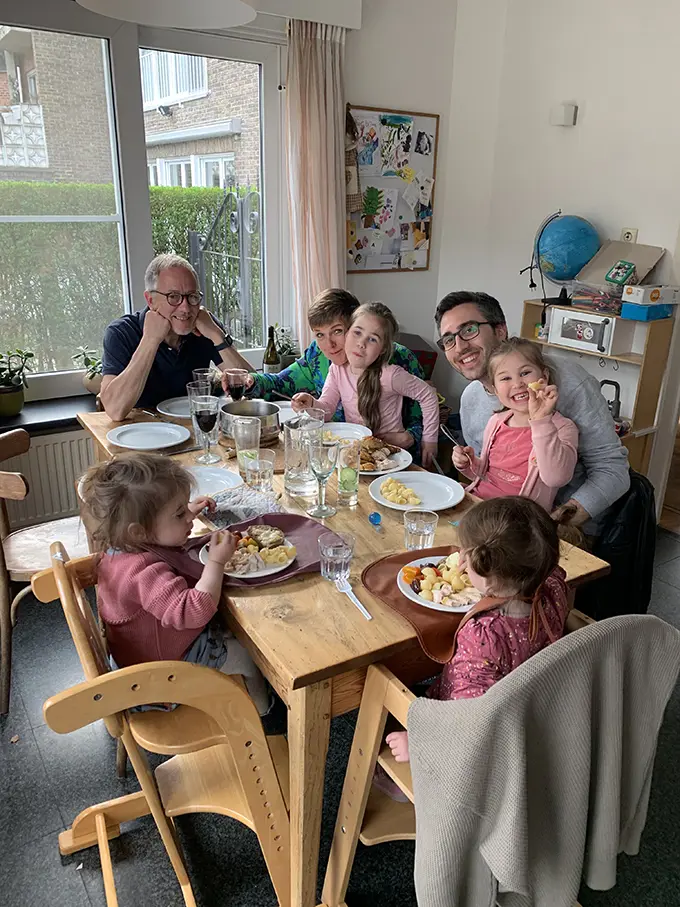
<point>654,312</point>
<point>643,257</point>
<point>651,295</point>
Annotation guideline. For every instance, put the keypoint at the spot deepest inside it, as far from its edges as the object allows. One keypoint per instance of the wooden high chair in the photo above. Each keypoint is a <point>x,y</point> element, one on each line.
<point>365,813</point>
<point>222,762</point>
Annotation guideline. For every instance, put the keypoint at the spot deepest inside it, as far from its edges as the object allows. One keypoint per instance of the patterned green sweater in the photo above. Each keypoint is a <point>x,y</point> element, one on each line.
<point>308,374</point>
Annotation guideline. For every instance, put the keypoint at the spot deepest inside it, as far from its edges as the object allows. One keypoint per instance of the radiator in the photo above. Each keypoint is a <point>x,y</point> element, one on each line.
<point>52,467</point>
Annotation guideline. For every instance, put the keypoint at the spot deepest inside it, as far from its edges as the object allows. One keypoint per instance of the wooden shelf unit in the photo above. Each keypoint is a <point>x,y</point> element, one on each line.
<point>652,364</point>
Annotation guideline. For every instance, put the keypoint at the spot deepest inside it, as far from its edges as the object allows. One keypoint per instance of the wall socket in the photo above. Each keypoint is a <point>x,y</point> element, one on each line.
<point>629,234</point>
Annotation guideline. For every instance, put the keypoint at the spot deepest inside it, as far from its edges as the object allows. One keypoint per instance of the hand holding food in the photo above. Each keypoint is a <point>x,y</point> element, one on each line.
<point>542,402</point>
<point>302,401</point>
<point>396,492</point>
<point>222,547</point>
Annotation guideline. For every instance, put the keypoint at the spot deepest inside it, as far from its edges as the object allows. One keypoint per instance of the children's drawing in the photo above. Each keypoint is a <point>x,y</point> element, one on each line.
<point>386,216</point>
<point>424,143</point>
<point>374,199</point>
<point>368,142</point>
<point>396,134</point>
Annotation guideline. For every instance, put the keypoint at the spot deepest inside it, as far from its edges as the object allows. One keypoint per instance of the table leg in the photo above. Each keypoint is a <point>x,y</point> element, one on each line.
<point>308,733</point>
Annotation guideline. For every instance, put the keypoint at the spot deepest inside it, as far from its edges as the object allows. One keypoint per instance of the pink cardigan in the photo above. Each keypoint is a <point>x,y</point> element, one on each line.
<point>552,461</point>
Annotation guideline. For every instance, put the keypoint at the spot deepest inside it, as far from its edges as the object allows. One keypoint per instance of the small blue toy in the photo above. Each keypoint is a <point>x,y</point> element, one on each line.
<point>375,520</point>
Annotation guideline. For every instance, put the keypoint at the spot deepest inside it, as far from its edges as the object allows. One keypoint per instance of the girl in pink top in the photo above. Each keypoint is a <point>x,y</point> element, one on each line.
<point>371,391</point>
<point>511,551</point>
<point>136,509</point>
<point>528,448</point>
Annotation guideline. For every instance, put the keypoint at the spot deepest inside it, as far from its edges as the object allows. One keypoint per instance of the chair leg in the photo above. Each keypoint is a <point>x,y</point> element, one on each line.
<point>18,598</point>
<point>121,759</point>
<point>5,646</point>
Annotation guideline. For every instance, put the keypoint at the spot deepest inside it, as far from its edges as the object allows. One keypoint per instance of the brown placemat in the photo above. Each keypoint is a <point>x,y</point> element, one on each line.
<point>435,629</point>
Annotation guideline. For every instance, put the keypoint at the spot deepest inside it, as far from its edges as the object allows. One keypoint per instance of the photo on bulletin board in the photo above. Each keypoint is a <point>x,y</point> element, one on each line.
<point>389,222</point>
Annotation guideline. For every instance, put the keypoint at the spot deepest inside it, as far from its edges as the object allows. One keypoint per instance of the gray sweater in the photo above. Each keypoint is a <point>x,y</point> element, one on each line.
<point>547,775</point>
<point>601,474</point>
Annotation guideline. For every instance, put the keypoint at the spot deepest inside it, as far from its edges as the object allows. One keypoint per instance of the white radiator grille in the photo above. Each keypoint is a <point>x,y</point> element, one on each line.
<point>51,466</point>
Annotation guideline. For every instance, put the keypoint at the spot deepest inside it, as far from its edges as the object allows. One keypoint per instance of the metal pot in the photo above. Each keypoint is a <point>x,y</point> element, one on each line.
<point>267,413</point>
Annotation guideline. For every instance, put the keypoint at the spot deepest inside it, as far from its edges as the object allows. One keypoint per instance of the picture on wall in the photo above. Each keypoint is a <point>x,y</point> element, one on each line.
<point>396,166</point>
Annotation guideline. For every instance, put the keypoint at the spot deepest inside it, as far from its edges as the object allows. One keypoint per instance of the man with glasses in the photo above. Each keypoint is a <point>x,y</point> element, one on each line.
<point>471,325</point>
<point>149,355</point>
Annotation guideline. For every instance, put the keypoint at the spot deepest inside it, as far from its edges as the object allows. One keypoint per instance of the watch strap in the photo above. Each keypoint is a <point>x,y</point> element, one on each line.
<point>226,343</point>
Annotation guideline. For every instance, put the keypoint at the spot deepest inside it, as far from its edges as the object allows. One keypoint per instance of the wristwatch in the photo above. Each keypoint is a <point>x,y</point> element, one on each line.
<point>226,343</point>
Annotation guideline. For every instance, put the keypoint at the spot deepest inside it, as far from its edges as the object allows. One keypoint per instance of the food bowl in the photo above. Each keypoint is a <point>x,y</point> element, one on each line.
<point>267,413</point>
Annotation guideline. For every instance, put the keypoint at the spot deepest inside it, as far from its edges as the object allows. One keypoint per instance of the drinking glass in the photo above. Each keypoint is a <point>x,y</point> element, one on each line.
<point>419,529</point>
<point>246,432</point>
<point>323,457</point>
<point>260,471</point>
<point>298,478</point>
<point>335,551</point>
<point>236,382</point>
<point>204,412</point>
<point>348,473</point>
<point>202,374</point>
<point>200,388</point>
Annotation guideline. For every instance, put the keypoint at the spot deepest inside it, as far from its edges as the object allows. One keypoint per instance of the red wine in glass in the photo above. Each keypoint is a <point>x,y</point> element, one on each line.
<point>236,391</point>
<point>206,421</point>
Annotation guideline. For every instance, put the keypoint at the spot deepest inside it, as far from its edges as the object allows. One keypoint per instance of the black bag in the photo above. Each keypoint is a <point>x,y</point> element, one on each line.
<point>627,542</point>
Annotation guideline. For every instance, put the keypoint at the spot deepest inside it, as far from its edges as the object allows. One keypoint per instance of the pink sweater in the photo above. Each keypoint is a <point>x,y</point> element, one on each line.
<point>492,645</point>
<point>395,383</point>
<point>552,461</point>
<point>150,612</point>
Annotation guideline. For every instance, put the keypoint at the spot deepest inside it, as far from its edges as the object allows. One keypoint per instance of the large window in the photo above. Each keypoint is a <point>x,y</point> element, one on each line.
<point>171,78</point>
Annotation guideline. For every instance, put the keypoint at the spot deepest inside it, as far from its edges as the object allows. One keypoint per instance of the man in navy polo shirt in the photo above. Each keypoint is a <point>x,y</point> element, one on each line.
<point>149,356</point>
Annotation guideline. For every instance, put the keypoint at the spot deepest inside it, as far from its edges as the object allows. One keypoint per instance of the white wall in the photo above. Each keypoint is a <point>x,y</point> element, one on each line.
<point>402,58</point>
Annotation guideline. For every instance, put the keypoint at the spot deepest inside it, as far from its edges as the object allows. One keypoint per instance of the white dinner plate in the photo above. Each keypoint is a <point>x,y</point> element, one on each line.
<point>395,463</point>
<point>212,479</point>
<point>286,412</point>
<point>435,492</point>
<point>148,435</point>
<point>175,407</point>
<point>406,590</point>
<point>256,574</point>
<point>346,431</point>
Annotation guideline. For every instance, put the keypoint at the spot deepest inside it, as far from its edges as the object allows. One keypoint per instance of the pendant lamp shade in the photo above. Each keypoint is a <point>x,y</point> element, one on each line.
<point>198,14</point>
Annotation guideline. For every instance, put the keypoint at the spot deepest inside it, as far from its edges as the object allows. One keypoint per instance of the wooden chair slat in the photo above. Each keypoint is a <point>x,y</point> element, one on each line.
<point>13,486</point>
<point>14,443</point>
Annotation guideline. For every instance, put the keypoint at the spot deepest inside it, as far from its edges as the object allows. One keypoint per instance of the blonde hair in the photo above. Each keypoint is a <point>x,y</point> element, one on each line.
<point>368,386</point>
<point>332,305</point>
<point>527,348</point>
<point>129,490</point>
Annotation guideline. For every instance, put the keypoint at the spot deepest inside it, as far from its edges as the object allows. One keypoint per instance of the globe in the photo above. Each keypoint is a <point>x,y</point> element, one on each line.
<point>564,246</point>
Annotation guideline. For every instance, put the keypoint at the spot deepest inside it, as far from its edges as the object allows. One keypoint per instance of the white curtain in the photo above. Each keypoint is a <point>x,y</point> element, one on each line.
<point>316,162</point>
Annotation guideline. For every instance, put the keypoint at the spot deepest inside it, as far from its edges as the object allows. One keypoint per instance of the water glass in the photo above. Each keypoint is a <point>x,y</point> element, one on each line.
<point>323,457</point>
<point>236,382</point>
<point>202,374</point>
<point>419,529</point>
<point>199,388</point>
<point>246,432</point>
<point>348,473</point>
<point>260,471</point>
<point>298,477</point>
<point>335,552</point>
<point>204,412</point>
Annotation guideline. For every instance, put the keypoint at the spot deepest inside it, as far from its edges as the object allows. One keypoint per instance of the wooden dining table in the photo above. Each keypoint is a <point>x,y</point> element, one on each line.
<point>314,646</point>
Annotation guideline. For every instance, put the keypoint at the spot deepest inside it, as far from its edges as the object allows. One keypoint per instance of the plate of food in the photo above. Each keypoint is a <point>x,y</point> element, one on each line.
<point>419,489</point>
<point>261,551</point>
<point>175,407</point>
<point>379,458</point>
<point>345,431</point>
<point>438,583</point>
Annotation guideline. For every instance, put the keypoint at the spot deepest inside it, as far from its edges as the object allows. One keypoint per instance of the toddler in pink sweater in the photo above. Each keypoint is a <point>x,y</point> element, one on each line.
<point>138,511</point>
<point>371,391</point>
<point>528,448</point>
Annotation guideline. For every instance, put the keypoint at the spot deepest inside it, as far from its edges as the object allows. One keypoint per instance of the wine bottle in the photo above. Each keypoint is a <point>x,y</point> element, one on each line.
<point>271,360</point>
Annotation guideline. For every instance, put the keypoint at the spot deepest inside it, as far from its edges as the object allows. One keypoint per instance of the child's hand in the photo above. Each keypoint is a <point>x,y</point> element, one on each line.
<point>462,457</point>
<point>542,402</point>
<point>200,503</point>
<point>428,451</point>
<point>398,743</point>
<point>302,401</point>
<point>222,546</point>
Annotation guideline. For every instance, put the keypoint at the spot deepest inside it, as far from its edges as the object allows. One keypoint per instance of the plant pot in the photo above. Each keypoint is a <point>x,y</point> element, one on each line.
<point>11,401</point>
<point>287,360</point>
<point>92,384</point>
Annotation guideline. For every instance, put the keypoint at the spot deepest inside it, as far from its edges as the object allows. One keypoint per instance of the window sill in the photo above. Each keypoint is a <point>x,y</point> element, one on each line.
<point>45,416</point>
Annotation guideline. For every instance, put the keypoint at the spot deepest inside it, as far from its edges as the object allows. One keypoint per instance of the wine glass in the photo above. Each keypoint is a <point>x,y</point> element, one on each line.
<point>205,410</point>
<point>323,455</point>
<point>236,381</point>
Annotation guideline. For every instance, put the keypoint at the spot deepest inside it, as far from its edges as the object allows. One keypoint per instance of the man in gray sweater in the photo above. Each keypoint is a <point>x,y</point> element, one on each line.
<point>471,325</point>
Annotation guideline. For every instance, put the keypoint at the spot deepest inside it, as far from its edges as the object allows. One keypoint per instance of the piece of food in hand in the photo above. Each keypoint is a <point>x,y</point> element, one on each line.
<point>535,385</point>
<point>266,536</point>
<point>396,492</point>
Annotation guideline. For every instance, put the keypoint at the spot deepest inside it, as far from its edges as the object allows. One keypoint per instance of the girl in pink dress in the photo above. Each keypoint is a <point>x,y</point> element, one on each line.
<point>372,391</point>
<point>510,549</point>
<point>528,449</point>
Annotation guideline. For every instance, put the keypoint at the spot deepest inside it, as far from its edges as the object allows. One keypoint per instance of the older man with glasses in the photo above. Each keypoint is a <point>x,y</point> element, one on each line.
<point>149,355</point>
<point>471,325</point>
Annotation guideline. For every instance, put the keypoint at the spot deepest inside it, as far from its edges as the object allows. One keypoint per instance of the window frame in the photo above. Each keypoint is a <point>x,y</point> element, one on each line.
<point>176,97</point>
<point>222,159</point>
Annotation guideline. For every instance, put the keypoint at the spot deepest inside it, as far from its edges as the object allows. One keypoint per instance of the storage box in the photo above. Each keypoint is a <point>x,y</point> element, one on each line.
<point>594,274</point>
<point>590,332</point>
<point>654,312</point>
<point>651,295</point>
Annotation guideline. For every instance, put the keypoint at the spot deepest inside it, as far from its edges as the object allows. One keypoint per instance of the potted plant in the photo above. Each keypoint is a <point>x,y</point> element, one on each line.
<point>13,368</point>
<point>91,361</point>
<point>286,344</point>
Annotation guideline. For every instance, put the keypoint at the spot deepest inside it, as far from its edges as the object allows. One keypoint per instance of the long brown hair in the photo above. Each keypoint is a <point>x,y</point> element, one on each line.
<point>527,348</point>
<point>129,490</point>
<point>368,386</point>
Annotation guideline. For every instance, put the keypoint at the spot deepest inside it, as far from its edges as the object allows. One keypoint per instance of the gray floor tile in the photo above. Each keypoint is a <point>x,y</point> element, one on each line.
<point>669,572</point>
<point>35,875</point>
<point>665,602</point>
<point>667,547</point>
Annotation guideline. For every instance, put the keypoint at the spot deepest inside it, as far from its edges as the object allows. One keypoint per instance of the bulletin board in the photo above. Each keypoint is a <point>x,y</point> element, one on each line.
<point>389,223</point>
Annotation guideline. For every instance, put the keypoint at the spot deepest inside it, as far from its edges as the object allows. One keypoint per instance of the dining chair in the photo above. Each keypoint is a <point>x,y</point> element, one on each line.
<point>23,552</point>
<point>365,813</point>
<point>221,760</point>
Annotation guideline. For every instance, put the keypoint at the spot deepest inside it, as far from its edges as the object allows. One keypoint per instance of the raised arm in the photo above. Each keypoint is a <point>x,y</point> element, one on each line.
<point>555,442</point>
<point>296,379</point>
<point>417,389</point>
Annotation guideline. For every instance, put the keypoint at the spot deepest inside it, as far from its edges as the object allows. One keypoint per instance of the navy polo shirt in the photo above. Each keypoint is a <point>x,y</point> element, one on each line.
<point>171,369</point>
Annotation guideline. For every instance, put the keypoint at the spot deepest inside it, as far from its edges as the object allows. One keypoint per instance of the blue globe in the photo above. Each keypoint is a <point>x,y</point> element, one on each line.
<point>565,246</point>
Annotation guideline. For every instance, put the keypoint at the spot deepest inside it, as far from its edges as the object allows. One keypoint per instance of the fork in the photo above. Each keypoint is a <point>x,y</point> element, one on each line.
<point>342,585</point>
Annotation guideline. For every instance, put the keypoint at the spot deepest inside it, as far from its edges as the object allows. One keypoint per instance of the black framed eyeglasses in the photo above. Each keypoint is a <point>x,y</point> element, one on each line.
<point>467,331</point>
<point>175,299</point>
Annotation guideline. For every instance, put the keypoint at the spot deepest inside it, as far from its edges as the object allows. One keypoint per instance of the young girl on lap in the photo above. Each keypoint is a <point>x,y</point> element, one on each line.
<point>138,511</point>
<point>371,391</point>
<point>529,449</point>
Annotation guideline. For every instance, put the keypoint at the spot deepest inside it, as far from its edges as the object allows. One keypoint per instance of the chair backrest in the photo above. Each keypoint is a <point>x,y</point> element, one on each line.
<point>13,486</point>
